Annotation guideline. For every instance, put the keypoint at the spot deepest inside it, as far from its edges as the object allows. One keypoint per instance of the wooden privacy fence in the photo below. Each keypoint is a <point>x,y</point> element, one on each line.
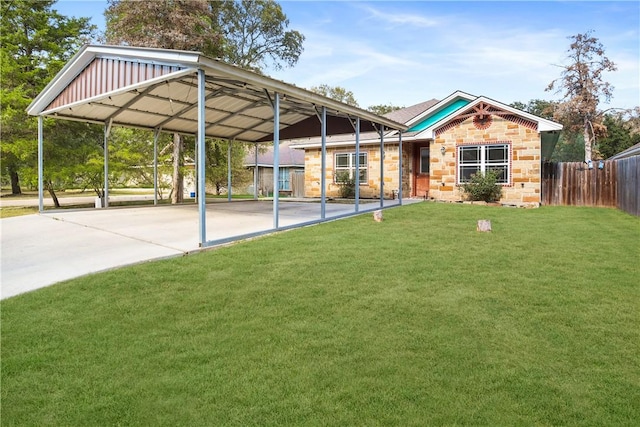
<point>611,183</point>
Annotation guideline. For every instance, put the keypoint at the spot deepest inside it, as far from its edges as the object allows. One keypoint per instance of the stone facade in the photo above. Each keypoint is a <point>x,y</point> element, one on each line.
<point>369,189</point>
<point>524,142</point>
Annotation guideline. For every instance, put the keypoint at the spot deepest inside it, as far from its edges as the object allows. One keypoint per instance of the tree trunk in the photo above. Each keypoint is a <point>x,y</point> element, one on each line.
<point>52,193</point>
<point>15,182</point>
<point>177,194</point>
<point>588,148</point>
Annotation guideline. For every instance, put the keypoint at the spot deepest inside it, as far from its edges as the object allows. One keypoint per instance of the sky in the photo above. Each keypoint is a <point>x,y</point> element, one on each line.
<point>403,53</point>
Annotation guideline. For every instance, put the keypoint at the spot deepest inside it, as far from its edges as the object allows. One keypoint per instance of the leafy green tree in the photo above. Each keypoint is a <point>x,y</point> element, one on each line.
<point>216,152</point>
<point>256,34</point>
<point>36,43</point>
<point>537,107</point>
<point>336,92</point>
<point>382,109</point>
<point>582,86</point>
<point>620,135</point>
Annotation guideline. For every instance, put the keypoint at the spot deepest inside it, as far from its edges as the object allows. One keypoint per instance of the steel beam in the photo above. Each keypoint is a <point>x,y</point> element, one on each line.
<point>323,163</point>
<point>357,172</point>
<point>200,182</point>
<point>107,132</point>
<point>255,174</point>
<point>381,166</point>
<point>229,170</point>
<point>400,167</point>
<point>276,157</point>
<point>156,135</point>
<point>40,166</point>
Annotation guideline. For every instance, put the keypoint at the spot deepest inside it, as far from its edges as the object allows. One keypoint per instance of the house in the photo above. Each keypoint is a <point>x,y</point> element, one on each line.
<point>291,169</point>
<point>446,142</point>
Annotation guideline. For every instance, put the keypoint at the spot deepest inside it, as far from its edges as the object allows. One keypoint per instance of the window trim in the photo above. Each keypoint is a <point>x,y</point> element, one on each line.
<point>351,166</point>
<point>483,160</point>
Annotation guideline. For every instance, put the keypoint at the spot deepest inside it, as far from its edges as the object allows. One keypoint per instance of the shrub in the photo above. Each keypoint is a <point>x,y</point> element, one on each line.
<point>483,187</point>
<point>347,185</point>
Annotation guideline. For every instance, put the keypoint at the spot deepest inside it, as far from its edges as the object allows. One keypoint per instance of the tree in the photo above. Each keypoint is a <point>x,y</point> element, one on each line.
<point>336,92</point>
<point>582,86</point>
<point>216,152</point>
<point>170,24</point>
<point>381,109</point>
<point>255,34</point>
<point>167,24</point>
<point>250,34</point>
<point>537,107</point>
<point>36,43</point>
<point>620,134</point>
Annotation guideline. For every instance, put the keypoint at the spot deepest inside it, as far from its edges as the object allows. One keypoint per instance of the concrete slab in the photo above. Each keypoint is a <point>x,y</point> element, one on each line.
<point>40,250</point>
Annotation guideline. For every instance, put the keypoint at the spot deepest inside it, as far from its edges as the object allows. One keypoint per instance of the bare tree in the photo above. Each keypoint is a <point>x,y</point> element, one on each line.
<point>582,86</point>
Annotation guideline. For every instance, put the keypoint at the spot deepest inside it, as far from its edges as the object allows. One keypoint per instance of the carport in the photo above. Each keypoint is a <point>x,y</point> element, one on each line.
<point>188,93</point>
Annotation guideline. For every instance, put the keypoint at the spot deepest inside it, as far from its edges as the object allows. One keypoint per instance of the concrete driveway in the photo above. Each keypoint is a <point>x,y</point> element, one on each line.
<point>40,250</point>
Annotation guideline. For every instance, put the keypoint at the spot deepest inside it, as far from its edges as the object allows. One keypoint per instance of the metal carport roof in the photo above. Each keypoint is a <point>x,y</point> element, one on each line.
<point>158,89</point>
<point>187,92</point>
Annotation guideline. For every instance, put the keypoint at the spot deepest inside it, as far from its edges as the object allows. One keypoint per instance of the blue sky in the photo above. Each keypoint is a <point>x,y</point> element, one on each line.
<point>403,53</point>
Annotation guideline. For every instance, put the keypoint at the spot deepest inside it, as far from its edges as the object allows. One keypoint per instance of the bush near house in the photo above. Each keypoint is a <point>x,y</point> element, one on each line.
<point>483,187</point>
<point>347,185</point>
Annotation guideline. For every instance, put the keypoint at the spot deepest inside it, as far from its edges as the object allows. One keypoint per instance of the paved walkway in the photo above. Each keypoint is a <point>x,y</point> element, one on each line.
<point>40,250</point>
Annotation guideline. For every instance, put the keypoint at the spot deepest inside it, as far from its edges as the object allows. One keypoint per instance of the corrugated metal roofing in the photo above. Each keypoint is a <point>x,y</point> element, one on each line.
<point>157,88</point>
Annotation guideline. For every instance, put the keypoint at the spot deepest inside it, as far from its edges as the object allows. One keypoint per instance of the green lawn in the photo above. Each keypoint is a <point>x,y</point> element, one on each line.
<point>418,320</point>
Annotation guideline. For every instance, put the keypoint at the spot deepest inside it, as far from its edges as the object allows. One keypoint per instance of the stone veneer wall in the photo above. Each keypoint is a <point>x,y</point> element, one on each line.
<point>524,187</point>
<point>313,166</point>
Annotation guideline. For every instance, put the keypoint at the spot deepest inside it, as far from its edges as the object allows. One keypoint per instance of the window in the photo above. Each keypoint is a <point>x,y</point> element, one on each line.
<point>283,179</point>
<point>424,160</point>
<point>481,158</point>
<point>345,166</point>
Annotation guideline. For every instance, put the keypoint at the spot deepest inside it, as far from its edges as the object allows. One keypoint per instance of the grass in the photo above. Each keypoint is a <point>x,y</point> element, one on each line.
<point>418,320</point>
<point>10,211</point>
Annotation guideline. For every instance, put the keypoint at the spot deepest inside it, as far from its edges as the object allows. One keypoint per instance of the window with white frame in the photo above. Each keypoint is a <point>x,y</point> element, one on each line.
<point>482,158</point>
<point>345,167</point>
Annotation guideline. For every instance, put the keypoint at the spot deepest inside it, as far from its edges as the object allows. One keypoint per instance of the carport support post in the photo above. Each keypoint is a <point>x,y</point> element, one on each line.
<point>255,175</point>
<point>400,167</point>
<point>107,131</point>
<point>357,170</point>
<point>381,166</point>
<point>229,171</point>
<point>276,157</point>
<point>156,134</point>
<point>202,207</point>
<point>323,164</point>
<point>40,167</point>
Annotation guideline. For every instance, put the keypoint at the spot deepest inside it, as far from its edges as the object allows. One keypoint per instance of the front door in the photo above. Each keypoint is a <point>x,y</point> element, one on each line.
<point>421,170</point>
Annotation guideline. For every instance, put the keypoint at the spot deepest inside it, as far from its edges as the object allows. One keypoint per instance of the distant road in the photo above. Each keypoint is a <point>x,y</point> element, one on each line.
<point>21,202</point>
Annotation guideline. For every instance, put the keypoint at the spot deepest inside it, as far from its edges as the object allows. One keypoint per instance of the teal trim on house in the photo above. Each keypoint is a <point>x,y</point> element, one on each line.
<point>439,115</point>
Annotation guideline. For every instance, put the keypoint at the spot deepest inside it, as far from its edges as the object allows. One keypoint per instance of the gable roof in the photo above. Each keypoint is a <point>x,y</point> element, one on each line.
<point>424,119</point>
<point>405,115</point>
<point>158,88</point>
<point>467,109</point>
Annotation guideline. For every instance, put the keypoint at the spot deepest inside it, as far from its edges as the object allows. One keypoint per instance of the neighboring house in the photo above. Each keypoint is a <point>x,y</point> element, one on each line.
<point>446,142</point>
<point>291,168</point>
